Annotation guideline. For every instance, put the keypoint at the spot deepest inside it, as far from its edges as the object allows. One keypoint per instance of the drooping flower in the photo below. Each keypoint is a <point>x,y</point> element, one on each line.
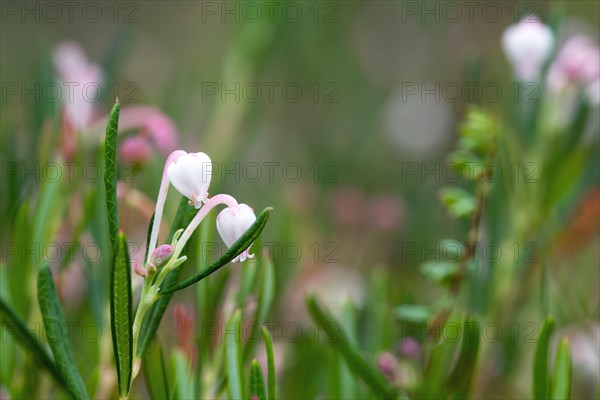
<point>232,223</point>
<point>528,45</point>
<point>190,174</point>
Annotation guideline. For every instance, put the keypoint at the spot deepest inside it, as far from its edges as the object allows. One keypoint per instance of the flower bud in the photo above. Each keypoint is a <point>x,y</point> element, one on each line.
<point>232,223</point>
<point>190,174</point>
<point>161,255</point>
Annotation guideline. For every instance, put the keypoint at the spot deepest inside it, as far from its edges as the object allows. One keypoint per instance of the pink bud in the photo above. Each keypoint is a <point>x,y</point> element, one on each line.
<point>387,364</point>
<point>140,271</point>
<point>161,255</point>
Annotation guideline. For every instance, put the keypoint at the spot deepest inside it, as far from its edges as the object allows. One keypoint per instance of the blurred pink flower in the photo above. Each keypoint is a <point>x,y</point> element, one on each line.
<point>385,212</point>
<point>83,81</point>
<point>135,149</point>
<point>152,121</point>
<point>528,45</point>
<point>387,364</point>
<point>577,62</point>
<point>348,205</point>
<point>185,325</point>
<point>409,347</point>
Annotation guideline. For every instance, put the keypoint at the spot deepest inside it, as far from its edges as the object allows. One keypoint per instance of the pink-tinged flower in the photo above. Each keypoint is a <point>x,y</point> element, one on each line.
<point>135,149</point>
<point>232,223</point>
<point>190,174</point>
<point>409,347</point>
<point>577,62</point>
<point>84,79</point>
<point>387,364</point>
<point>185,323</point>
<point>528,45</point>
<point>152,122</point>
<point>348,205</point>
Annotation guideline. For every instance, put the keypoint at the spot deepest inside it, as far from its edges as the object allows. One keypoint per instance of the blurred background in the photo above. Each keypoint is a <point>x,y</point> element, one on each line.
<point>340,115</point>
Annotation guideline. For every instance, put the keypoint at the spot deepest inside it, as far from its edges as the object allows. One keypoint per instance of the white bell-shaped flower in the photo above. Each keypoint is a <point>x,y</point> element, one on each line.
<point>528,45</point>
<point>190,174</point>
<point>232,223</point>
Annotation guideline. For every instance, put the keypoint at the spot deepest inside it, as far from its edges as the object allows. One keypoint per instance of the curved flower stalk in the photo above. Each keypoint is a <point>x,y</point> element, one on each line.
<point>190,174</point>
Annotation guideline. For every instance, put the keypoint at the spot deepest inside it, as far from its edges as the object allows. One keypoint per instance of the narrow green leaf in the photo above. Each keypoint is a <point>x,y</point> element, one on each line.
<point>257,382</point>
<point>271,381</point>
<point>121,314</point>
<point>236,249</point>
<point>561,379</point>
<point>183,382</point>
<point>462,377</point>
<point>267,291</point>
<point>355,362</point>
<point>110,172</point>
<point>148,236</point>
<point>540,362</point>
<point>155,373</point>
<point>233,356</point>
<point>57,333</point>
<point>185,214</point>
<point>435,375</point>
<point>23,335</point>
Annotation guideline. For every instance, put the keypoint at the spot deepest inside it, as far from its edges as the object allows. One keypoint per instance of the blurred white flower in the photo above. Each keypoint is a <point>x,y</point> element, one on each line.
<point>232,223</point>
<point>190,174</point>
<point>528,45</point>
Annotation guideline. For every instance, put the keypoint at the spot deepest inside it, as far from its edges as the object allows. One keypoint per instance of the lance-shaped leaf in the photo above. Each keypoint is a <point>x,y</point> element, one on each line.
<point>121,314</point>
<point>110,172</point>
<point>23,335</point>
<point>271,382</point>
<point>462,377</point>
<point>540,362</point>
<point>561,379</point>
<point>185,214</point>
<point>355,362</point>
<point>236,249</point>
<point>233,356</point>
<point>257,382</point>
<point>57,333</point>
<point>153,365</point>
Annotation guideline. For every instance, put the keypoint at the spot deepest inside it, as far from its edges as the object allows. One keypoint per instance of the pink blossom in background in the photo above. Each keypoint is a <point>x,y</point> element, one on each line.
<point>185,325</point>
<point>83,80</point>
<point>528,45</point>
<point>135,149</point>
<point>348,205</point>
<point>152,122</point>
<point>387,364</point>
<point>577,62</point>
<point>409,347</point>
<point>385,212</point>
